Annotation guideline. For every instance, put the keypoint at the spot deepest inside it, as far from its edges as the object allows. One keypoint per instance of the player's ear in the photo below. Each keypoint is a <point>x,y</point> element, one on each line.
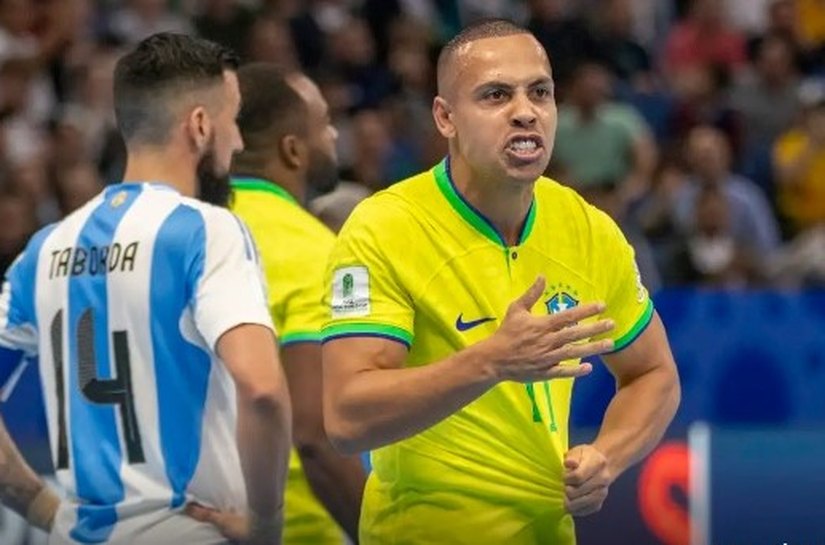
<point>293,151</point>
<point>442,117</point>
<point>199,128</point>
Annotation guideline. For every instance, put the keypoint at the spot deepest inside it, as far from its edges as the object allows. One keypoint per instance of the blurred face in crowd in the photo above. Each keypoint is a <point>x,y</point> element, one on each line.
<point>711,247</point>
<point>591,86</point>
<point>269,41</point>
<point>775,61</point>
<point>322,170</point>
<point>223,141</point>
<point>496,106</point>
<point>707,12</point>
<point>782,15</point>
<point>19,222</point>
<point>708,154</point>
<point>16,16</point>
<point>353,44</point>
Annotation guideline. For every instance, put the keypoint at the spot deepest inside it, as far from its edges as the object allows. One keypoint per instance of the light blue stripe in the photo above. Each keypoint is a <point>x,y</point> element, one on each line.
<point>181,369</point>
<point>22,278</point>
<point>96,454</point>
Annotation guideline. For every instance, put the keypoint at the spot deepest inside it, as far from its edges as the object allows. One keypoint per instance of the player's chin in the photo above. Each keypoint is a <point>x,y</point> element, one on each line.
<point>525,171</point>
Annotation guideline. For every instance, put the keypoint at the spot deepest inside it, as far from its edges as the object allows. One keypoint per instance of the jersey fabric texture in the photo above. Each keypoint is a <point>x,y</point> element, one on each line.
<point>121,305</point>
<point>416,263</point>
<point>294,248</point>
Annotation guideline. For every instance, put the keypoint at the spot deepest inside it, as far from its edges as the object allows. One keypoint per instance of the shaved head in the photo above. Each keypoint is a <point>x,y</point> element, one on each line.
<point>489,28</point>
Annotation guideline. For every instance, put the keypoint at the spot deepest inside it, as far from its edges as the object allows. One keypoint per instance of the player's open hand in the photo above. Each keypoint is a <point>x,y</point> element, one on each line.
<point>232,526</point>
<point>236,527</point>
<point>586,480</point>
<point>529,348</point>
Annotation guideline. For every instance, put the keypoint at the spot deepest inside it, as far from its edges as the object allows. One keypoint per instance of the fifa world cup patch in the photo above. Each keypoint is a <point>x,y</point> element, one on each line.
<point>351,292</point>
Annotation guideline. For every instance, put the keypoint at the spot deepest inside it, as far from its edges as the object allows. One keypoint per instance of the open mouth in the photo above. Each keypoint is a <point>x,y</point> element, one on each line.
<point>525,147</point>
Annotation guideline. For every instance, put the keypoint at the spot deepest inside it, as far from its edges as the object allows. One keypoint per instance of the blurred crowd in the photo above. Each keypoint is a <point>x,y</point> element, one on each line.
<point>699,125</point>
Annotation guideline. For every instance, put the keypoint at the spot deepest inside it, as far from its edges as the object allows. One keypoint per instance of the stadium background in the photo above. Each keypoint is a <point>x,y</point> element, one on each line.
<point>699,107</point>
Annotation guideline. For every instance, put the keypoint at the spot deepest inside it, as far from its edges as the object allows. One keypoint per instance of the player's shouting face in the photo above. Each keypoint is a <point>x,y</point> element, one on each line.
<point>496,103</point>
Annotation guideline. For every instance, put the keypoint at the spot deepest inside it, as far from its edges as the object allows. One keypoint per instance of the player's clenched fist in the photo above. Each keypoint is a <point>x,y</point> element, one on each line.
<point>586,480</point>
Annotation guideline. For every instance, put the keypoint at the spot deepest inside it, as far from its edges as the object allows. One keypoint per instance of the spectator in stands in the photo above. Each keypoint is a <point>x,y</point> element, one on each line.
<point>703,38</point>
<point>766,98</point>
<point>750,222</point>
<point>713,256</point>
<point>599,141</point>
<point>567,38</point>
<point>269,41</point>
<point>138,19</point>
<point>226,22</point>
<point>19,223</point>
<point>799,159</point>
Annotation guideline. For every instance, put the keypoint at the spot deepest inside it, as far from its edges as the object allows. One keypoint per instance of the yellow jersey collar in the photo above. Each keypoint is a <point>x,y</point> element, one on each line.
<point>248,183</point>
<point>471,214</point>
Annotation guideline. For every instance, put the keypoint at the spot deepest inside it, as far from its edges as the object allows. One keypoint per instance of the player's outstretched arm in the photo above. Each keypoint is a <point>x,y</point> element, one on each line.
<point>250,353</point>
<point>370,400</point>
<point>21,490</point>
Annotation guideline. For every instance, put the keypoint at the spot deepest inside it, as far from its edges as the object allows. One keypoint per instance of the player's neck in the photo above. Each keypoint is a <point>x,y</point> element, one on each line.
<point>287,180</point>
<point>282,177</point>
<point>161,165</point>
<point>505,205</point>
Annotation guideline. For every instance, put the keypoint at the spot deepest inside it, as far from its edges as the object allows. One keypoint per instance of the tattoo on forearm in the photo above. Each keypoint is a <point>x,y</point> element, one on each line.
<point>18,483</point>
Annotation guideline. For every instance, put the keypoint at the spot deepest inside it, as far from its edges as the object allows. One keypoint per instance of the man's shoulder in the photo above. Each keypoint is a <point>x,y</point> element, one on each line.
<point>568,210</point>
<point>397,204</point>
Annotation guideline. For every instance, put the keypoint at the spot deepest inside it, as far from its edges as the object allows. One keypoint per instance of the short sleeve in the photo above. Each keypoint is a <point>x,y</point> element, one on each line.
<point>18,329</point>
<point>301,311</point>
<point>229,289</point>
<point>364,295</point>
<point>614,269</point>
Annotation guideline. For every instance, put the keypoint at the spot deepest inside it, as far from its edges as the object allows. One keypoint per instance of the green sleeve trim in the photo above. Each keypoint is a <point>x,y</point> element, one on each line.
<point>641,324</point>
<point>366,329</point>
<point>300,337</point>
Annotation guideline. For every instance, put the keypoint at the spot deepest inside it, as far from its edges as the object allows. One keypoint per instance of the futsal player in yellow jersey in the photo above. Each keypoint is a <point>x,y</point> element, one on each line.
<point>461,301</point>
<point>289,146</point>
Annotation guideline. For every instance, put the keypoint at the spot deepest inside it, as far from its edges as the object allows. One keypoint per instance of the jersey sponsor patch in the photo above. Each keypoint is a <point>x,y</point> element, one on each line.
<point>351,292</point>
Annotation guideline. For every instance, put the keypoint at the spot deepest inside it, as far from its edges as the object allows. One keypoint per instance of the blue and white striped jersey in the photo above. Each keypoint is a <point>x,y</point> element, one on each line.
<point>121,304</point>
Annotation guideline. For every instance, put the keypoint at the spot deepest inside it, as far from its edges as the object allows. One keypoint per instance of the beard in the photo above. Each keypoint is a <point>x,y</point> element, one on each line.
<point>322,174</point>
<point>213,182</point>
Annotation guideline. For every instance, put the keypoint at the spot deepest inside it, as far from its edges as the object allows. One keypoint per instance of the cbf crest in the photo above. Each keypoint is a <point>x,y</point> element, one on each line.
<point>562,297</point>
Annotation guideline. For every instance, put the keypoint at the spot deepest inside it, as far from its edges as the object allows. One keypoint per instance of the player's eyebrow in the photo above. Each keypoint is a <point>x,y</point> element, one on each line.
<point>543,81</point>
<point>492,85</point>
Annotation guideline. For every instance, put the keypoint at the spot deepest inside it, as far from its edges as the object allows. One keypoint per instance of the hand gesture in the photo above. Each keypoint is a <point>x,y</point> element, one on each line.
<point>236,527</point>
<point>530,348</point>
<point>586,480</point>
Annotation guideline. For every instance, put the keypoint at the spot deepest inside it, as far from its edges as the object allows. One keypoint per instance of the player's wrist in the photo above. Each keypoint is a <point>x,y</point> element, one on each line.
<point>266,528</point>
<point>43,508</point>
<point>491,360</point>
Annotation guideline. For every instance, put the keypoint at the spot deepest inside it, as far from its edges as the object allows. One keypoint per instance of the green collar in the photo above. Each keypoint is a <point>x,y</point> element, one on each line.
<point>473,216</point>
<point>259,184</point>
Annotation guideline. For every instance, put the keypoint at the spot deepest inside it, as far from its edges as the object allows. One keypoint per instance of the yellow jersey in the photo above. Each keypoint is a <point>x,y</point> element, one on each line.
<point>294,248</point>
<point>802,201</point>
<point>419,264</point>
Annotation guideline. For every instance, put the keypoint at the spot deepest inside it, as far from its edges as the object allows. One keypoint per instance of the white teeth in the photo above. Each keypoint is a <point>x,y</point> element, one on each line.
<point>523,145</point>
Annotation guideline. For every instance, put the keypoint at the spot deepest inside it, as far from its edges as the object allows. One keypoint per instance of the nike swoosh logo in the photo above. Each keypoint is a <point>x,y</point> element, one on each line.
<point>461,325</point>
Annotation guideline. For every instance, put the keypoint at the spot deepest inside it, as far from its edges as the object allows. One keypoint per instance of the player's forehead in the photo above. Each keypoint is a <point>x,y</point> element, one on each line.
<point>516,59</point>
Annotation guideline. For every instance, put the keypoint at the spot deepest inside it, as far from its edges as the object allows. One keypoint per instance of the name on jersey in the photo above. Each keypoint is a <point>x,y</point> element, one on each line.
<point>93,260</point>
